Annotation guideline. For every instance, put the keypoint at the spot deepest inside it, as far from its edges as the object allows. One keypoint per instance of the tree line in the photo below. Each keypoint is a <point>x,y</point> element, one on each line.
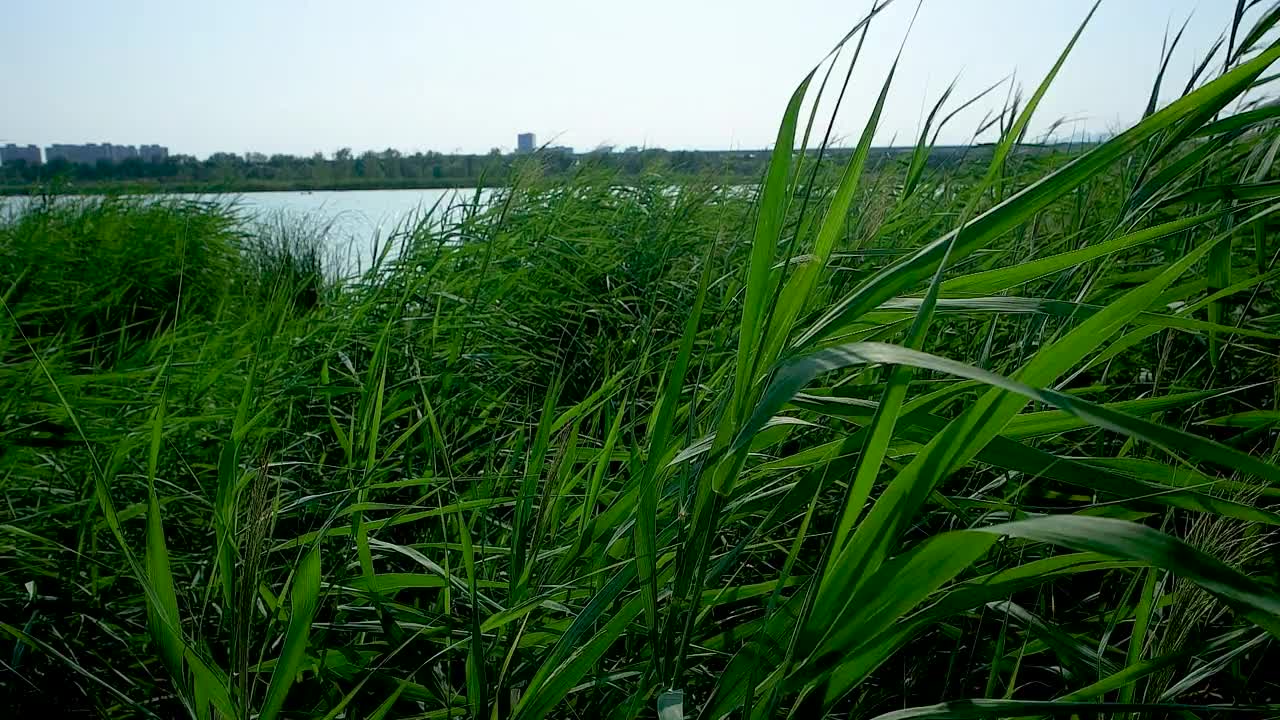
<point>387,168</point>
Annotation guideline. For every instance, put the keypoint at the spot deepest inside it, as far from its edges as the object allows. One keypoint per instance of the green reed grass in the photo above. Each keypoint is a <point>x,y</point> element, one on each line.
<point>994,438</point>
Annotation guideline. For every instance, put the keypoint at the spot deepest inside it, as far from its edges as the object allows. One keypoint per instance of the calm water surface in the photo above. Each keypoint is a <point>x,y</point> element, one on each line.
<point>355,223</point>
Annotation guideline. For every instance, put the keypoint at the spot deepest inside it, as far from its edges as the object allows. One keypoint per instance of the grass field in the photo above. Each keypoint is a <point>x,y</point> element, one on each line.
<point>872,441</point>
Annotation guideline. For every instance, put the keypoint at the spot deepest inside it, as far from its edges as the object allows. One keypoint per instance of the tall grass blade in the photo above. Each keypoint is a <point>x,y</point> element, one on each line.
<point>304,599</point>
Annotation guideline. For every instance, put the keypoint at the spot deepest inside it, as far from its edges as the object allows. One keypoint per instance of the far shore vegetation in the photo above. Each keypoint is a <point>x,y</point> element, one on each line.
<point>392,170</point>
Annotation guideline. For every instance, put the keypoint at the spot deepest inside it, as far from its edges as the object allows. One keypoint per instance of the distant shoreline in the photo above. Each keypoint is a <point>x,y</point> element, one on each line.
<point>719,167</point>
<point>160,188</point>
<point>238,187</point>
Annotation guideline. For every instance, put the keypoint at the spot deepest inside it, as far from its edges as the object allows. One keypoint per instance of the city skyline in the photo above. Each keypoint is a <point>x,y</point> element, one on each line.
<point>81,153</point>
<point>160,152</point>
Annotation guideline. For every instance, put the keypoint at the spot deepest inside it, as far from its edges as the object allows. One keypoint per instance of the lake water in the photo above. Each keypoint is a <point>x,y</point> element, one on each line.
<point>354,222</point>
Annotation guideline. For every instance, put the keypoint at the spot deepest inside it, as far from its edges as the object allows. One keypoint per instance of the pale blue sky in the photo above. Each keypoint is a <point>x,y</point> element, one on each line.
<point>304,75</point>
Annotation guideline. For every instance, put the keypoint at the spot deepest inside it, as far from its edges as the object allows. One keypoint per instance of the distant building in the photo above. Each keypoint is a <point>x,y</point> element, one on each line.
<point>562,149</point>
<point>93,153</point>
<point>68,153</point>
<point>526,142</point>
<point>88,154</point>
<point>11,153</point>
<point>153,153</point>
<point>120,153</point>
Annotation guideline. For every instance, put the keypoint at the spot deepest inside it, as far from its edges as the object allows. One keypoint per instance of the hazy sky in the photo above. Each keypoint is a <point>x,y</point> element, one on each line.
<point>299,76</point>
